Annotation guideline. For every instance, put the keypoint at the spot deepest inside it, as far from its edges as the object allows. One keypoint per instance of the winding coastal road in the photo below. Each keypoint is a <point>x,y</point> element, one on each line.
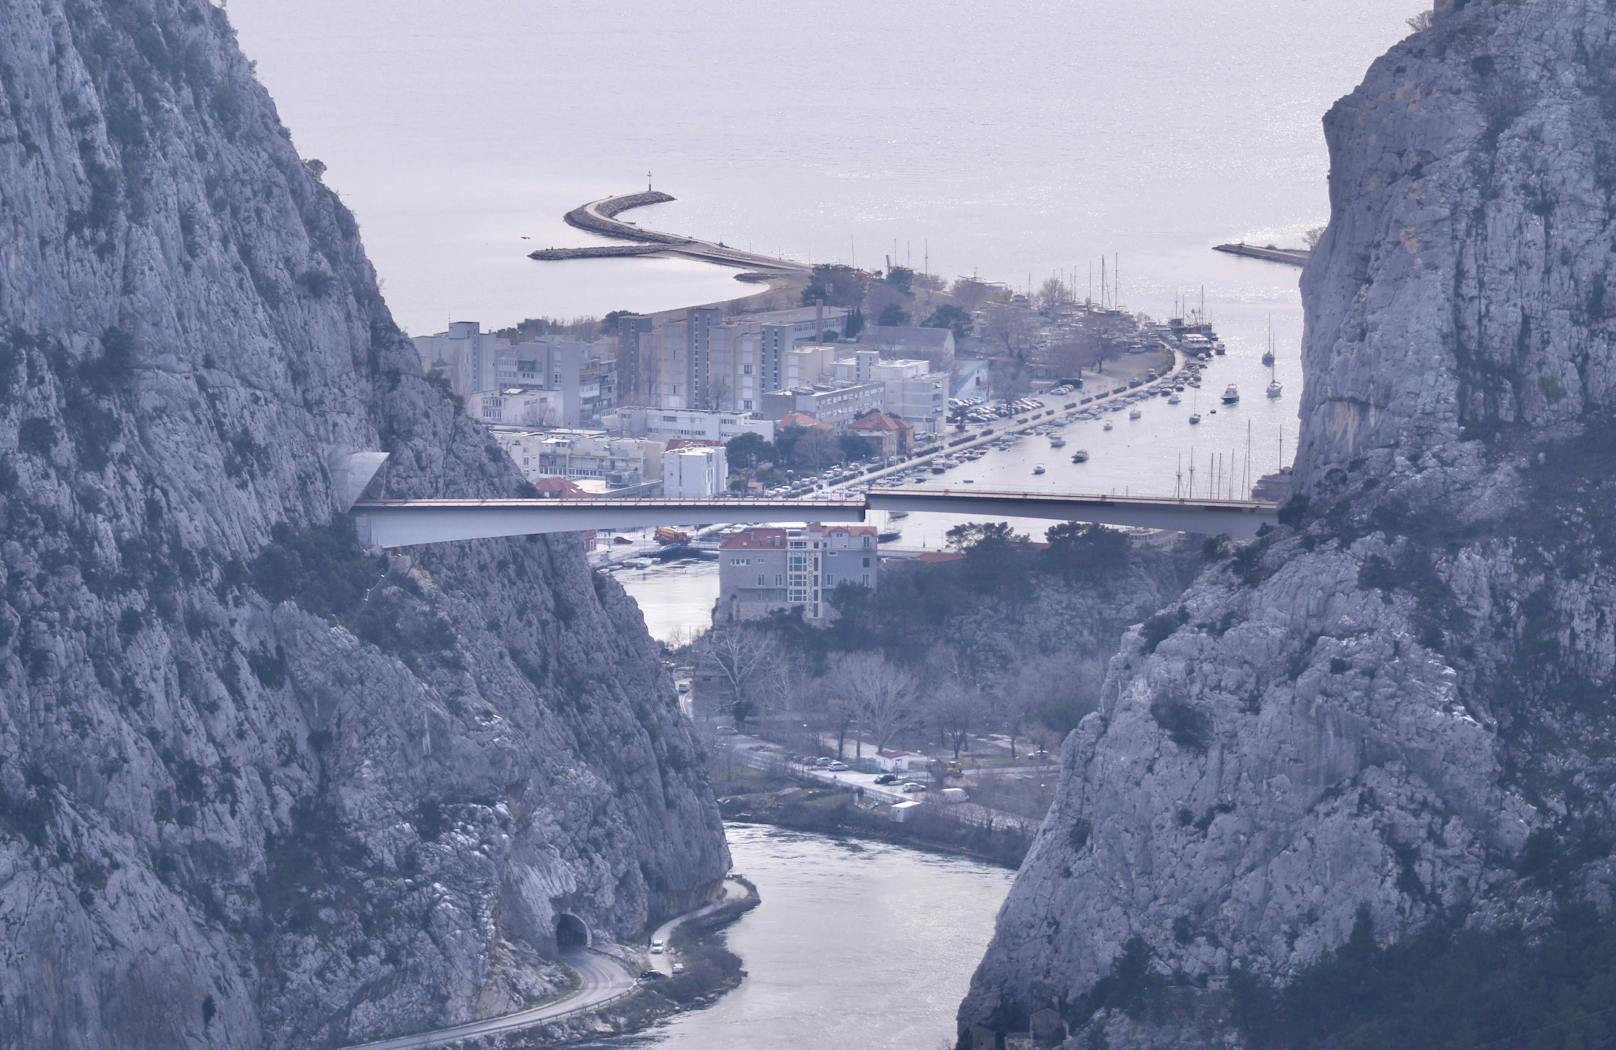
<point>601,979</point>
<point>733,891</point>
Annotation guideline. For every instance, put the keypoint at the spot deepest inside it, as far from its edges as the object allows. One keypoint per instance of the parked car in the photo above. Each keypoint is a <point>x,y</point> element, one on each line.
<point>823,762</point>
<point>726,730</point>
<point>651,975</point>
<point>657,947</point>
<point>887,778</point>
<point>912,787</point>
<point>837,767</point>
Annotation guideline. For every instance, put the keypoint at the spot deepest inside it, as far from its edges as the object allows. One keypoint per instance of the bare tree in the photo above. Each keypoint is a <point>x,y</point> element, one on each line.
<point>883,695</point>
<point>957,708</point>
<point>748,663</point>
<point>1421,22</point>
<point>1313,236</point>
<point>837,702</point>
<point>1052,293</point>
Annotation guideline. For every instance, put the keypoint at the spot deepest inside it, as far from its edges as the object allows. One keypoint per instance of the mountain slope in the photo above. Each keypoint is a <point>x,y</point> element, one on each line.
<point>257,787</point>
<point>1392,714</point>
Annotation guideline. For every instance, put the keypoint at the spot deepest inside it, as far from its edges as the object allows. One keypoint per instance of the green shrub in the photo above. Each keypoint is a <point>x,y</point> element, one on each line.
<point>1162,626</point>
<point>1187,726</point>
<point>36,436</point>
<point>322,568</point>
<point>1445,989</point>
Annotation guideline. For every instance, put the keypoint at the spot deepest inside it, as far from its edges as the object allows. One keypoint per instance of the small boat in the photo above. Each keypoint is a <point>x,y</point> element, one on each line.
<point>1219,349</point>
<point>1080,456</point>
<point>1174,399</point>
<point>890,536</point>
<point>1039,469</point>
<point>1195,417</point>
<point>1274,389</point>
<point>1107,425</point>
<point>1057,442</point>
<point>1231,395</point>
<point>1134,413</point>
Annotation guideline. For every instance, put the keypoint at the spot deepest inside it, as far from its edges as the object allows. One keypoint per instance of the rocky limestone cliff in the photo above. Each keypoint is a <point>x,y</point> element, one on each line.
<point>1397,705</point>
<point>259,788</point>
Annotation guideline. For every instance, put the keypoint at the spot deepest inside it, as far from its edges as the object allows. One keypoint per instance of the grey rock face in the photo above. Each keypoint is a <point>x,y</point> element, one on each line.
<point>257,788</point>
<point>1383,704</point>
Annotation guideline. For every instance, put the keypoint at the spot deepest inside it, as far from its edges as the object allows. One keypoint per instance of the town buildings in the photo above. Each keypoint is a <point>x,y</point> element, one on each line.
<point>671,424</point>
<point>583,455</point>
<point>546,381</point>
<point>762,571</point>
<point>602,410</point>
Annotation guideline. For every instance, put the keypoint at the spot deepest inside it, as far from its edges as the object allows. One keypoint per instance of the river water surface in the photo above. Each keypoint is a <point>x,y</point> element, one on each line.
<point>856,944</point>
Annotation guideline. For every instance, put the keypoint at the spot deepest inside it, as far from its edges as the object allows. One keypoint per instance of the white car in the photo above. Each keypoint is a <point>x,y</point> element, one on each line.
<point>657,947</point>
<point>837,767</point>
<point>911,787</point>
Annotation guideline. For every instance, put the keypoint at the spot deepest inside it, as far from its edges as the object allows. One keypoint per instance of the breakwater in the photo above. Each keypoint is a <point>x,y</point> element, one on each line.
<point>600,217</point>
<point>1267,253</point>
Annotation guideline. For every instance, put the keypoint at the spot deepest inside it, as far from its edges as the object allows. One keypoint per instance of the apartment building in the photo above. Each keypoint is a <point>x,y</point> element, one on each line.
<point>763,571</point>
<point>832,403</point>
<point>548,381</point>
<point>695,472</point>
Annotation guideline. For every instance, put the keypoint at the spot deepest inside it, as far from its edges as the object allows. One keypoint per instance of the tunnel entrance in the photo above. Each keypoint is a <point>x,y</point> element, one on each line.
<point>571,932</point>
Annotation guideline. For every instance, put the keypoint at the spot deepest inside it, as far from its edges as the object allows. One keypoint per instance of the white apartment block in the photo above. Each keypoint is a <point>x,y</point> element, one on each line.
<point>914,393</point>
<point>695,473</point>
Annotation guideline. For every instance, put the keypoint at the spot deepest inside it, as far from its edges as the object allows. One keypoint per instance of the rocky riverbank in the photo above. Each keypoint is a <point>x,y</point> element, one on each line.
<point>710,969</point>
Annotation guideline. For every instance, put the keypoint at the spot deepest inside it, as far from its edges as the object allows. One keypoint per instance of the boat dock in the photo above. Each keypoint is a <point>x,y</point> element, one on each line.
<point>1267,253</point>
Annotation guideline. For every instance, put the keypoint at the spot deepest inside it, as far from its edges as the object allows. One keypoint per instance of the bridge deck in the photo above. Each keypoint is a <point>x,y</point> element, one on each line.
<point>407,523</point>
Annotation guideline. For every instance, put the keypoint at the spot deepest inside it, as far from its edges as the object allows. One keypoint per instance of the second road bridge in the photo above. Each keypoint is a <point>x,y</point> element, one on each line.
<point>410,523</point>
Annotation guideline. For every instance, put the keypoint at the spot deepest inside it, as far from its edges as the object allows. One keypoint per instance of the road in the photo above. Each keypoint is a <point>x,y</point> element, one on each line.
<point>733,891</point>
<point>601,979</point>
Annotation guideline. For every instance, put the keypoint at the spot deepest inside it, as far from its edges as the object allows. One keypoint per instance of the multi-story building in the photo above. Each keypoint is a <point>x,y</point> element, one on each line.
<point>707,361</point>
<point>548,381</point>
<point>763,571</point>
<point>913,392</point>
<point>583,455</point>
<point>465,355</point>
<point>807,365</point>
<point>932,345</point>
<point>673,423</point>
<point>695,472</point>
<point>836,404</point>
<point>633,345</point>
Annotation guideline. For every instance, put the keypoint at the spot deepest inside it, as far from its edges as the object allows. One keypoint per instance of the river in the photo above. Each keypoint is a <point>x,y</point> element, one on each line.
<point>855,944</point>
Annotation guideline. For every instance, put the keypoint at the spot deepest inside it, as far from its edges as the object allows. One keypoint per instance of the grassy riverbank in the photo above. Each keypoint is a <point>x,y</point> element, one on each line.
<point>752,796</point>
